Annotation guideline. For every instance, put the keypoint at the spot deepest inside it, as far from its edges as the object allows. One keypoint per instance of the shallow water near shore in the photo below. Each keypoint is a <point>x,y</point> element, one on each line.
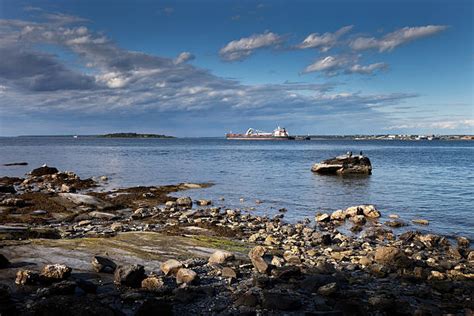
<point>432,180</point>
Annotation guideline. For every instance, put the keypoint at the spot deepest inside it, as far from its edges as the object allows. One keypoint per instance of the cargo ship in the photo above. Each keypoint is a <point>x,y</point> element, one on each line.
<point>279,133</point>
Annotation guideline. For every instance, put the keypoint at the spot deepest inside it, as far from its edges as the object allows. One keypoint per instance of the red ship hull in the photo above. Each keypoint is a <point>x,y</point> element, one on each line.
<point>257,137</point>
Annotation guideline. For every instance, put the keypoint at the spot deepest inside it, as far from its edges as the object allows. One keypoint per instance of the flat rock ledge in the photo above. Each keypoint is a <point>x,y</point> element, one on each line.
<point>346,164</point>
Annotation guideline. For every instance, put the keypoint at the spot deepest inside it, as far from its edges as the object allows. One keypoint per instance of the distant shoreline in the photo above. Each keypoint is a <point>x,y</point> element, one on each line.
<point>312,137</point>
<point>112,135</point>
<point>133,135</point>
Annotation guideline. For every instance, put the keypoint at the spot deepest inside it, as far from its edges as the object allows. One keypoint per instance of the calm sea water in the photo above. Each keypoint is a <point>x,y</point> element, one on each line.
<point>426,179</point>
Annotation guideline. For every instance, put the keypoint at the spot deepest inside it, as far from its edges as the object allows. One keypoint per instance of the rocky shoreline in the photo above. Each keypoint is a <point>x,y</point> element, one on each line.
<point>66,248</point>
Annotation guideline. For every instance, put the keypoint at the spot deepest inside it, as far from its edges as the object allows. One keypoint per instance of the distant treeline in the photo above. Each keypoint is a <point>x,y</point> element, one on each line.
<point>134,135</point>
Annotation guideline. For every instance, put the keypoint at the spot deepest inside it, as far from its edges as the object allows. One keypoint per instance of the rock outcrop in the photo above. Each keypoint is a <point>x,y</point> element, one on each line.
<point>346,164</point>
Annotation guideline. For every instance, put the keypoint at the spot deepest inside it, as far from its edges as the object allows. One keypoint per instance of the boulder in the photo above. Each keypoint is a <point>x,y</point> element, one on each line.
<point>391,256</point>
<point>420,221</point>
<point>130,275</point>
<point>26,277</point>
<point>152,283</point>
<point>184,202</point>
<point>7,188</point>
<point>44,170</point>
<point>187,276</point>
<point>346,164</point>
<point>204,202</point>
<point>103,264</point>
<point>67,188</point>
<point>260,261</point>
<point>170,204</point>
<point>221,256</point>
<point>463,242</point>
<point>171,266</point>
<point>270,240</point>
<point>396,223</point>
<point>55,272</point>
<point>370,211</point>
<point>432,241</point>
<point>291,258</point>
<point>228,273</point>
<point>358,219</point>
<point>286,272</point>
<point>322,217</point>
<point>4,263</point>
<point>328,289</point>
<point>116,227</point>
<point>353,211</point>
<point>338,215</point>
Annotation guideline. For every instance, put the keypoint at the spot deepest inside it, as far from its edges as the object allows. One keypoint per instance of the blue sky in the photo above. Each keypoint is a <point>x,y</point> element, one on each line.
<point>203,68</point>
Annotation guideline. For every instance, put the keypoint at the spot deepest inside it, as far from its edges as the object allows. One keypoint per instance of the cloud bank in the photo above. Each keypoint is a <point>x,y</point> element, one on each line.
<point>102,79</point>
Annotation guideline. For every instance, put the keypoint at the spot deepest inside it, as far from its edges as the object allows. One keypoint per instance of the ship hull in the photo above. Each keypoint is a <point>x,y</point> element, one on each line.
<point>257,137</point>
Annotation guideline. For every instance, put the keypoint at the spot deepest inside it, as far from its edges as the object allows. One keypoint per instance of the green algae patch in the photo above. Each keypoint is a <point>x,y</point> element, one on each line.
<point>222,243</point>
<point>147,246</point>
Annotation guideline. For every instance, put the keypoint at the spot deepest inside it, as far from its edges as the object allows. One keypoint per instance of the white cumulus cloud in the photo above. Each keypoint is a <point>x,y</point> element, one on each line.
<point>399,37</point>
<point>327,64</point>
<point>244,47</point>
<point>183,57</point>
<point>368,69</point>
<point>325,41</point>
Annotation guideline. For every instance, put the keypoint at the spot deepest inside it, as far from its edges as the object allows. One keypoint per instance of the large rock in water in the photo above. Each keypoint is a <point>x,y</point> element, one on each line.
<point>346,164</point>
<point>44,170</point>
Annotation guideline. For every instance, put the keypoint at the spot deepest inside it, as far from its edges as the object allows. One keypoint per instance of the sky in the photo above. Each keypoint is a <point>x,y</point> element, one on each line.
<point>204,68</point>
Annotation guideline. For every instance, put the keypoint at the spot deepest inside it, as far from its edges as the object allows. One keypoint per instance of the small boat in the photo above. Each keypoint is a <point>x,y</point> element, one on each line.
<point>75,136</point>
<point>279,133</point>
